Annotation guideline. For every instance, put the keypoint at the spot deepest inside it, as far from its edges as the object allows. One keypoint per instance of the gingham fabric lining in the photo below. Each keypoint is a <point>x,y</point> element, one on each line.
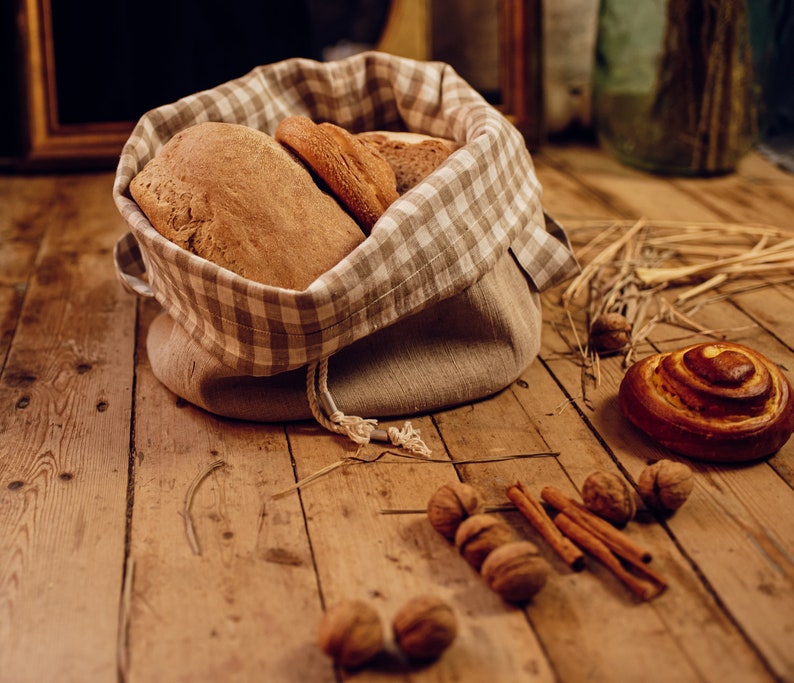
<point>433,242</point>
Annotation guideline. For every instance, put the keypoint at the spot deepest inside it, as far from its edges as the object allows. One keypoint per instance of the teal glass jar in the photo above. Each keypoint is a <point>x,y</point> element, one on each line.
<point>673,87</point>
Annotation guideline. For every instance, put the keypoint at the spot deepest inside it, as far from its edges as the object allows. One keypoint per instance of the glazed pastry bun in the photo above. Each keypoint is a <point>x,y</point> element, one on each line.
<point>717,401</point>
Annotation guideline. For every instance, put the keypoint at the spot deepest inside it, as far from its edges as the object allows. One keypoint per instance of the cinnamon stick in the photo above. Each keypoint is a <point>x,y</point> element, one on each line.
<point>537,516</point>
<point>616,540</point>
<point>598,549</point>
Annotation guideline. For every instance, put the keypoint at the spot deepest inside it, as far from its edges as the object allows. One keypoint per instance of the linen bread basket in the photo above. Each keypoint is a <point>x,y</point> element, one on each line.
<point>438,306</point>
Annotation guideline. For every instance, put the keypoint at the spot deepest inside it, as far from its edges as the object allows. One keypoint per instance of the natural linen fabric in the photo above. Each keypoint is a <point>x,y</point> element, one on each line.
<point>469,346</point>
<point>480,208</point>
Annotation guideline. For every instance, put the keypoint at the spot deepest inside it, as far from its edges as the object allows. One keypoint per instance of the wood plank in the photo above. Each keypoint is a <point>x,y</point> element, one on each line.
<point>631,193</point>
<point>589,623</point>
<point>771,308</point>
<point>756,193</point>
<point>26,202</point>
<point>568,198</point>
<point>387,559</point>
<point>248,606</point>
<point>767,306</point>
<point>736,540</point>
<point>707,635</point>
<point>746,534</point>
<point>239,609</point>
<point>756,167</point>
<point>741,563</point>
<point>66,393</point>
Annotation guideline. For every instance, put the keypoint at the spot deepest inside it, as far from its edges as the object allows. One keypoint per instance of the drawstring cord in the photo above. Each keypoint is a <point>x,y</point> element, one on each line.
<point>358,429</point>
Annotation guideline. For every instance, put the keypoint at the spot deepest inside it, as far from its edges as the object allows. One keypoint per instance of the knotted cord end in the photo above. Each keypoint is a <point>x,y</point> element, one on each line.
<point>360,430</point>
<point>407,438</point>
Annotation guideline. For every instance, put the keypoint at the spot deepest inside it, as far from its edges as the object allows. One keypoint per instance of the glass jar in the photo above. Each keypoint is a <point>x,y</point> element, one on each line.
<point>673,87</point>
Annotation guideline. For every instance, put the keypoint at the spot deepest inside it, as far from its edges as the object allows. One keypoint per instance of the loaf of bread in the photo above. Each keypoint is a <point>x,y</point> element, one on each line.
<point>717,401</point>
<point>234,196</point>
<point>412,156</point>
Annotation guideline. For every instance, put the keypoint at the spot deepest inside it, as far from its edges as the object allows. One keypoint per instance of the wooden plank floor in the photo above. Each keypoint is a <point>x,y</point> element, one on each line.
<point>99,583</point>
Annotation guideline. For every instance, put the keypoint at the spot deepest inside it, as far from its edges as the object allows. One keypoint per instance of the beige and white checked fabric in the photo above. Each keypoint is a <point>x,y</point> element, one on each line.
<point>432,243</point>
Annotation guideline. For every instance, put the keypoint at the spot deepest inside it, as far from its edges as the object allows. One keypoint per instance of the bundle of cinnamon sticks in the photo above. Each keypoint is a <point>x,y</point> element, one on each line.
<point>575,530</point>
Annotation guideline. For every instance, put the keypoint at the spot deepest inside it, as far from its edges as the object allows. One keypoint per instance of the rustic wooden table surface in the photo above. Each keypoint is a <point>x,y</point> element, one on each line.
<point>99,583</point>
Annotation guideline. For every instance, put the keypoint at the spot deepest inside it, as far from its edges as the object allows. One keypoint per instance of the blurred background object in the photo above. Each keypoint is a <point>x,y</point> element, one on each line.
<point>465,33</point>
<point>772,39</point>
<point>569,33</point>
<point>76,93</point>
<point>673,88</point>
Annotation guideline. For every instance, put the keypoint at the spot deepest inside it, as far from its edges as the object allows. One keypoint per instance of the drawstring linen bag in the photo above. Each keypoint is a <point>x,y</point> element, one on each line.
<point>438,306</point>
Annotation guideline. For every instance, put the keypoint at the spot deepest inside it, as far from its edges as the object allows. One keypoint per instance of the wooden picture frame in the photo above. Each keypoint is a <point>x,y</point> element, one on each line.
<point>51,144</point>
<point>521,67</point>
<point>48,142</point>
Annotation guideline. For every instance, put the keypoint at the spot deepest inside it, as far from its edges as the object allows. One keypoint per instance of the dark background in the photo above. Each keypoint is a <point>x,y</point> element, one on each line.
<point>118,58</point>
<point>772,38</point>
<point>153,52</point>
<point>9,65</point>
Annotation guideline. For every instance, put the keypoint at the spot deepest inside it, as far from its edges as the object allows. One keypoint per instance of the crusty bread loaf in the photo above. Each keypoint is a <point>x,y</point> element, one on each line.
<point>712,401</point>
<point>359,177</point>
<point>412,156</point>
<point>232,195</point>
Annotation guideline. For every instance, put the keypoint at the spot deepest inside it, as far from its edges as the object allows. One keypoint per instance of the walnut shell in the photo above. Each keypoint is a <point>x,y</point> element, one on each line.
<point>607,495</point>
<point>516,571</point>
<point>450,505</point>
<point>351,633</point>
<point>665,485</point>
<point>478,535</point>
<point>610,333</point>
<point>424,627</point>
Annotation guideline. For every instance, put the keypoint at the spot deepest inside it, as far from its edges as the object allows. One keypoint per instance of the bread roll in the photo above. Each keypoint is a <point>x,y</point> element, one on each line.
<point>412,156</point>
<point>359,177</point>
<point>713,401</point>
<point>232,195</point>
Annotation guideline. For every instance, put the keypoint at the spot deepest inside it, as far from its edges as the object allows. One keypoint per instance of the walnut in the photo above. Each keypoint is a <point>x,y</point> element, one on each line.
<point>607,495</point>
<point>478,535</point>
<point>610,333</point>
<point>351,633</point>
<point>424,627</point>
<point>450,505</point>
<point>665,485</point>
<point>516,571</point>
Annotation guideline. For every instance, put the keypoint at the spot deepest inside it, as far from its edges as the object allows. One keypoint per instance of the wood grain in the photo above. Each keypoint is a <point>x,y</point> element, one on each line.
<point>27,204</point>
<point>98,581</point>
<point>387,559</point>
<point>63,456</point>
<point>747,529</point>
<point>244,606</point>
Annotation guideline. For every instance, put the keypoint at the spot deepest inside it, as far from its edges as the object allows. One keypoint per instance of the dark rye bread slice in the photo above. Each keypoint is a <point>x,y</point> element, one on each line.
<point>234,196</point>
<point>412,156</point>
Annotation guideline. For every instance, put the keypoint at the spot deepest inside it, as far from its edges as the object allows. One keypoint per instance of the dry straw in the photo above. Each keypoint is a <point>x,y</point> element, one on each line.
<point>655,272</point>
<point>190,530</point>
